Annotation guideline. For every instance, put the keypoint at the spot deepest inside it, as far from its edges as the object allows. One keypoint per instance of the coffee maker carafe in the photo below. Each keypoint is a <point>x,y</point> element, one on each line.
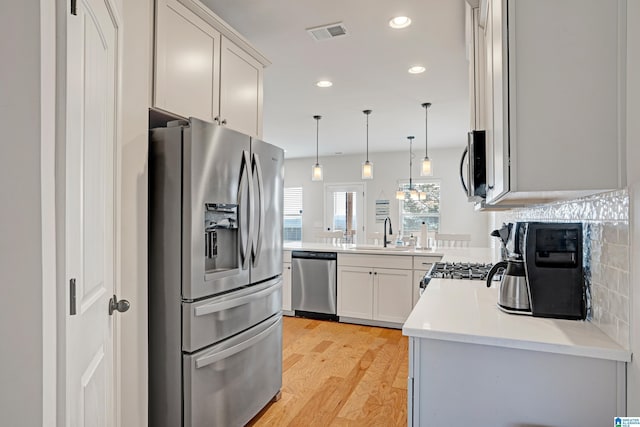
<point>513,293</point>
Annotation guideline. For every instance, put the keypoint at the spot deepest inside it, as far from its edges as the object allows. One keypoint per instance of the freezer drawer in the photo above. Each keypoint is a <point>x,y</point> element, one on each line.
<point>229,383</point>
<point>212,320</point>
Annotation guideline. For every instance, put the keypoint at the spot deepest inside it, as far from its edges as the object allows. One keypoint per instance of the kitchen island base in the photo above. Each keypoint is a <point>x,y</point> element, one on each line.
<point>458,383</point>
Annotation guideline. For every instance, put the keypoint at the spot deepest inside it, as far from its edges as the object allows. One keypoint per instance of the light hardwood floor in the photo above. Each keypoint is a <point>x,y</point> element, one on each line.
<point>336,374</point>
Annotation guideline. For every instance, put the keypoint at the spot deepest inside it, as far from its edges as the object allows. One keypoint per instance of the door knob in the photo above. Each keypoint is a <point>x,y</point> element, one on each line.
<point>115,305</point>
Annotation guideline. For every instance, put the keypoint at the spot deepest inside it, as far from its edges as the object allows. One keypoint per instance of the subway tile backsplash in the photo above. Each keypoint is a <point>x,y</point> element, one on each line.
<point>605,219</point>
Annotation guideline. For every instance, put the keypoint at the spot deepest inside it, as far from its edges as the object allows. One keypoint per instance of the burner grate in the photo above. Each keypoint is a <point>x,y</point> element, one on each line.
<point>460,270</point>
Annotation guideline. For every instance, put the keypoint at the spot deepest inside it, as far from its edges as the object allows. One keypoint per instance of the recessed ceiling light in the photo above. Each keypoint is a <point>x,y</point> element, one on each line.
<point>324,83</point>
<point>400,22</point>
<point>417,69</point>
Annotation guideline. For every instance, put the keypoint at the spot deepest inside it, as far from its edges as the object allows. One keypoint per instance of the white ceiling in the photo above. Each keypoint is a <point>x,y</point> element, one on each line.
<point>368,68</point>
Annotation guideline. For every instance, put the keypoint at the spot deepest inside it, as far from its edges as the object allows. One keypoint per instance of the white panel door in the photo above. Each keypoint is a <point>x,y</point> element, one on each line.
<point>92,52</point>
<point>392,294</point>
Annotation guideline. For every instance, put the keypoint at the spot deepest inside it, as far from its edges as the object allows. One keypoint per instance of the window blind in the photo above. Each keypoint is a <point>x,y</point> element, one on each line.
<point>293,201</point>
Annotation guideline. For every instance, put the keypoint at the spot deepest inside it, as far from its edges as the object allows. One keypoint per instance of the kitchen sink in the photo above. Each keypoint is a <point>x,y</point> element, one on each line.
<point>380,248</point>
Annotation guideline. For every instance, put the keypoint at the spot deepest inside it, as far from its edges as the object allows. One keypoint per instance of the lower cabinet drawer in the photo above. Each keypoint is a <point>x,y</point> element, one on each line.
<point>229,383</point>
<point>379,261</point>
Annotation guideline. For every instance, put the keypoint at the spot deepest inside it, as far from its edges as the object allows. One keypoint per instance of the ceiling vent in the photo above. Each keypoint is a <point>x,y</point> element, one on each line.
<point>326,32</point>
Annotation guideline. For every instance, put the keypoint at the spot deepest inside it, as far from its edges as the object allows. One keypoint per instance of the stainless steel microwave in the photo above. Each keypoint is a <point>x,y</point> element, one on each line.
<point>475,174</point>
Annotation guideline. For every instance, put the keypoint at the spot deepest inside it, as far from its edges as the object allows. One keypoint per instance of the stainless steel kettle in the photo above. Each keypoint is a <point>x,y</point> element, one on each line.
<point>513,294</point>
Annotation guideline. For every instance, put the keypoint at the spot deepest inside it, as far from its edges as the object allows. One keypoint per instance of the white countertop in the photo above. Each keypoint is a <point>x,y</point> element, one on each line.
<point>466,311</point>
<point>448,254</point>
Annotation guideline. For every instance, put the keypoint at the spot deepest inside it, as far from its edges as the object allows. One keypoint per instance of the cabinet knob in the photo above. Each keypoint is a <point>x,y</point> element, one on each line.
<point>223,122</point>
<point>370,273</point>
<point>376,273</point>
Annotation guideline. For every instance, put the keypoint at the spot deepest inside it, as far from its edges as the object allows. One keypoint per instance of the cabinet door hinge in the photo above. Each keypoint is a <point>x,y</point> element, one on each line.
<point>74,7</point>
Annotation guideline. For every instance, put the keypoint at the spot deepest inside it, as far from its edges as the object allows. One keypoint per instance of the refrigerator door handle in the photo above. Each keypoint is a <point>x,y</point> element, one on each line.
<point>257,235</point>
<point>215,356</point>
<point>244,211</point>
<point>219,306</point>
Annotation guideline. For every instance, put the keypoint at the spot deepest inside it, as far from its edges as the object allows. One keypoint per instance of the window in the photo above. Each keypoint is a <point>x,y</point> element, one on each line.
<point>292,230</point>
<point>414,212</point>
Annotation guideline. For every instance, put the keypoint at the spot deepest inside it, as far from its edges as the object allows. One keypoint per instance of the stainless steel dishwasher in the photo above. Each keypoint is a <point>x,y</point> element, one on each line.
<point>313,284</point>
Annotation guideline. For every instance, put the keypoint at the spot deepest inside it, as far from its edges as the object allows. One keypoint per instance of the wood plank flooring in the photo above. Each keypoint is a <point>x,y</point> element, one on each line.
<point>337,374</point>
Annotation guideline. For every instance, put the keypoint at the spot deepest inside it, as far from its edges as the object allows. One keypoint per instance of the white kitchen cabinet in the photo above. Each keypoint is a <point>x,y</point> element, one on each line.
<point>392,294</point>
<point>187,62</point>
<point>476,57</point>
<point>201,71</point>
<point>240,90</point>
<point>417,277</point>
<point>368,290</point>
<point>506,387</point>
<point>355,292</point>
<point>286,282</point>
<point>421,265</point>
<point>554,98</point>
<point>286,287</point>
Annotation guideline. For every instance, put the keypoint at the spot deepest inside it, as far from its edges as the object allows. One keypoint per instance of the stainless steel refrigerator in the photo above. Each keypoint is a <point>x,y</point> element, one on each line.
<point>215,275</point>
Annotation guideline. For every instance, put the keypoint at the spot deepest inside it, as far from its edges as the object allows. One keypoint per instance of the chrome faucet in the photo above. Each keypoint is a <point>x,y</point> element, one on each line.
<point>384,239</point>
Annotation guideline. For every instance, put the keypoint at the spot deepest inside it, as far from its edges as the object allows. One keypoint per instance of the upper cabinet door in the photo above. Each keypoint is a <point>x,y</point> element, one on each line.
<point>240,90</point>
<point>187,79</point>
<point>499,142</point>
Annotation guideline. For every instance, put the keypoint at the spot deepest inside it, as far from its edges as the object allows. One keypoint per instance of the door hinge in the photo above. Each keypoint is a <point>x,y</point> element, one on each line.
<point>74,7</point>
<point>72,297</point>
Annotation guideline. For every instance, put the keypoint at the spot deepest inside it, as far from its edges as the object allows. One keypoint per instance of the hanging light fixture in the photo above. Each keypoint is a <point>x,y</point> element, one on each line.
<point>426,163</point>
<point>410,193</point>
<point>316,171</point>
<point>367,166</point>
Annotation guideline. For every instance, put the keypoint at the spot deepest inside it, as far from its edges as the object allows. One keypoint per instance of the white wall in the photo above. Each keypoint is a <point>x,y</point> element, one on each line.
<point>21,357</point>
<point>456,216</point>
<point>137,16</point>
<point>633,180</point>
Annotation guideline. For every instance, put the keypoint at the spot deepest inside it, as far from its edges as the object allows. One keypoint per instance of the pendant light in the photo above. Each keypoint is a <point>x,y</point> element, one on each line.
<point>411,193</point>
<point>367,166</point>
<point>426,163</point>
<point>316,171</point>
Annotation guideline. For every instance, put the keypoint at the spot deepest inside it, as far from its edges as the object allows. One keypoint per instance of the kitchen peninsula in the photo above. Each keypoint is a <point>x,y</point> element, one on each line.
<point>509,370</point>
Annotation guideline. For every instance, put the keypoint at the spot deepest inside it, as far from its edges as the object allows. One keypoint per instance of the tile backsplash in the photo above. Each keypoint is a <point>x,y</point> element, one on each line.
<point>605,219</point>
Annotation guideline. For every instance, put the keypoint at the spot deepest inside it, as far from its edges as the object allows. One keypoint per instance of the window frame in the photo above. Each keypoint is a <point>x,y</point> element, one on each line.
<point>438,215</point>
<point>286,216</point>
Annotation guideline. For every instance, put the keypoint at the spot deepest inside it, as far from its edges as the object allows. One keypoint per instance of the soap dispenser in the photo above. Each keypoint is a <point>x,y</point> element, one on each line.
<point>399,241</point>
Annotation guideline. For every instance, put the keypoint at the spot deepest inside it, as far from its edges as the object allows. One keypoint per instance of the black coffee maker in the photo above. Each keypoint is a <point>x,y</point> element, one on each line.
<point>552,254</point>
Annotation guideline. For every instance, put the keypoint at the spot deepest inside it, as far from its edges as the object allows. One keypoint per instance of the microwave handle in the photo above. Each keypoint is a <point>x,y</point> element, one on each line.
<point>464,186</point>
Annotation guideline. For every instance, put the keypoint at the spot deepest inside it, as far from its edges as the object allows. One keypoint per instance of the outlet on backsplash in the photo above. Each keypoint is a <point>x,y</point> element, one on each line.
<point>605,219</point>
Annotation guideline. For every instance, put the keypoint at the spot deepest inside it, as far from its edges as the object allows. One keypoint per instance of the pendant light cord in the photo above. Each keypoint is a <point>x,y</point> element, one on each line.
<point>426,106</point>
<point>410,138</point>
<point>317,133</point>
<point>367,112</point>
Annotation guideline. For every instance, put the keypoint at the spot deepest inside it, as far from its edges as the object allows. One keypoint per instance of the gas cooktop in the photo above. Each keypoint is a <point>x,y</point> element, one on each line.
<point>460,270</point>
